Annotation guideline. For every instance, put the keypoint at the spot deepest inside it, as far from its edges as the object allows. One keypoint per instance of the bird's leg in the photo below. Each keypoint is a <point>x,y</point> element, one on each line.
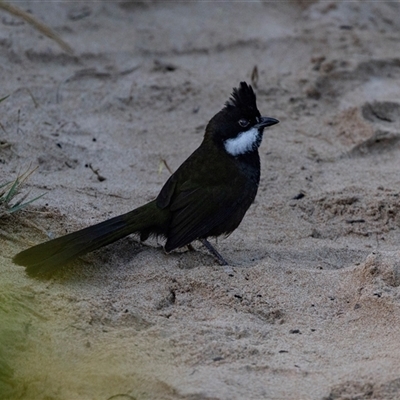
<point>190,247</point>
<point>214,252</point>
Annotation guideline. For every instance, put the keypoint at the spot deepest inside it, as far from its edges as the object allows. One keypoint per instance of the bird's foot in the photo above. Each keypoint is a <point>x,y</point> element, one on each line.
<point>190,247</point>
<point>213,251</point>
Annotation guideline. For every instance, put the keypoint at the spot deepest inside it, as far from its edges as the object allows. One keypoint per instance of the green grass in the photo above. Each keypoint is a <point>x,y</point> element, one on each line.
<point>10,201</point>
<point>9,191</point>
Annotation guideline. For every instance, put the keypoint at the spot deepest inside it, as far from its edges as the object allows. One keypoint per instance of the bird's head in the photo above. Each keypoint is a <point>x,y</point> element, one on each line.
<point>239,126</point>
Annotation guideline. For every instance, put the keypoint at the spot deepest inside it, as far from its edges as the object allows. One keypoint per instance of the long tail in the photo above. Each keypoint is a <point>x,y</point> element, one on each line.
<point>47,256</point>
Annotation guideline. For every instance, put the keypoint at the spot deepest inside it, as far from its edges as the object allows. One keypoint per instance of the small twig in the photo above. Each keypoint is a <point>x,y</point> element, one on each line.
<point>19,130</point>
<point>254,76</point>
<point>1,126</point>
<point>163,161</point>
<point>96,172</point>
<point>33,98</point>
<point>4,145</point>
<point>36,24</point>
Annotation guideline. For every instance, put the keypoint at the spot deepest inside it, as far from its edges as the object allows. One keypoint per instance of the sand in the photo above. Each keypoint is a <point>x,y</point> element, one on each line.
<point>309,307</point>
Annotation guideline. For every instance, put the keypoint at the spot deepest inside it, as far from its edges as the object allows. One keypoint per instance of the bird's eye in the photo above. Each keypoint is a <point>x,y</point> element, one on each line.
<point>243,122</point>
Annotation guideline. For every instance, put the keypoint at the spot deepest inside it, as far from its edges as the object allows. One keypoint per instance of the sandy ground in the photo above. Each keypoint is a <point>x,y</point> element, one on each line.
<point>310,306</point>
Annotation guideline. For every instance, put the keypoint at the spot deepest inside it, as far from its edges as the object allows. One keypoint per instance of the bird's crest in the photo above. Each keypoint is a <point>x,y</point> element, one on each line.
<point>242,97</point>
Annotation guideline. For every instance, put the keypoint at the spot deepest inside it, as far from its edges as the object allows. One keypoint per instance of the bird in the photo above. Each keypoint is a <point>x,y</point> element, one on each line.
<point>207,196</point>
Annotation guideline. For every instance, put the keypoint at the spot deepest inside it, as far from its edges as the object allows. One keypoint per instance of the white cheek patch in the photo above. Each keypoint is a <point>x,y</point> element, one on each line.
<point>243,143</point>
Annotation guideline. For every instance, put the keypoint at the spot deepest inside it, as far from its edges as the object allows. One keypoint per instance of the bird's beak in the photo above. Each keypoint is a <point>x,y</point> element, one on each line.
<point>266,121</point>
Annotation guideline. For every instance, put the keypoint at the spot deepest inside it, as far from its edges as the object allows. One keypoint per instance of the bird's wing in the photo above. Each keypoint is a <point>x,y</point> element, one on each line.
<point>196,211</point>
<point>199,201</point>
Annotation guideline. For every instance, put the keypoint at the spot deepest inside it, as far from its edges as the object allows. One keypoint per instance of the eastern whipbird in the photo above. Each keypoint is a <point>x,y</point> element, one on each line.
<point>207,196</point>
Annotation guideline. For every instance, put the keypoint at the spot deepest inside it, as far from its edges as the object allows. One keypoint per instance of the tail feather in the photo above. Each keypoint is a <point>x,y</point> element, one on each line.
<point>49,255</point>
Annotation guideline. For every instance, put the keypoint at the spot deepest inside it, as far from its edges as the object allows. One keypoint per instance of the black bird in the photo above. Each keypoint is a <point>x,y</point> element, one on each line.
<point>207,196</point>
